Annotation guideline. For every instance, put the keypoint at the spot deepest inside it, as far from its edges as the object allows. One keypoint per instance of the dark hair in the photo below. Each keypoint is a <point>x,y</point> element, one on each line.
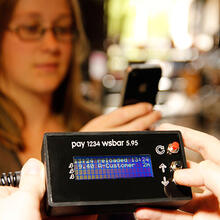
<point>67,100</point>
<point>6,11</point>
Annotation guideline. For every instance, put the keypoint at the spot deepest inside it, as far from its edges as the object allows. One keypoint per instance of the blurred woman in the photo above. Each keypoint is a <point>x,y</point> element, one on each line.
<point>42,45</point>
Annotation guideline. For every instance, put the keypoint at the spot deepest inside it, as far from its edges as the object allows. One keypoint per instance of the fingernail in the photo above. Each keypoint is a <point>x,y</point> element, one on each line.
<point>141,214</point>
<point>32,167</point>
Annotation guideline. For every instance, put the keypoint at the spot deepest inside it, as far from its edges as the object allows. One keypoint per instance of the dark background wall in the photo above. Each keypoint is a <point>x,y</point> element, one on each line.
<point>94,22</point>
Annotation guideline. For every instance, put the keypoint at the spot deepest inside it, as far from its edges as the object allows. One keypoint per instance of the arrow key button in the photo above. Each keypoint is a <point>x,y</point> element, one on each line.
<point>165,182</point>
<point>163,167</point>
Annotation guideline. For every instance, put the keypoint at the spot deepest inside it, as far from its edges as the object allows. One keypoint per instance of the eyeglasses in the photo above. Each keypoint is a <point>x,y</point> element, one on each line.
<point>36,32</point>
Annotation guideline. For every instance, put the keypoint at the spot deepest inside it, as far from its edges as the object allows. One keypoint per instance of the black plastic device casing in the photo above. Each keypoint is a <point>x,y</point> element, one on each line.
<point>67,196</point>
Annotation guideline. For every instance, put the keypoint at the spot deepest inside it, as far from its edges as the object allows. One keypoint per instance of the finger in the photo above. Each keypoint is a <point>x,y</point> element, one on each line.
<point>201,201</point>
<point>207,145</point>
<point>33,178</point>
<point>125,114</point>
<point>191,164</point>
<point>6,191</point>
<point>205,173</point>
<point>200,190</point>
<point>141,123</point>
<point>151,214</point>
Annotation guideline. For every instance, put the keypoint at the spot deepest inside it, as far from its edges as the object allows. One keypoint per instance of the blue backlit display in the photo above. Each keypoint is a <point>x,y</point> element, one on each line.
<point>112,167</point>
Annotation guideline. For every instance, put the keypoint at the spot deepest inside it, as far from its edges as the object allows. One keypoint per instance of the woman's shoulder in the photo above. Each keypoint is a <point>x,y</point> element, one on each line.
<point>8,160</point>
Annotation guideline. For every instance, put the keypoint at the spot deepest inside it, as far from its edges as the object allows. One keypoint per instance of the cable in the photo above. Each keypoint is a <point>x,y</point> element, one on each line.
<point>10,179</point>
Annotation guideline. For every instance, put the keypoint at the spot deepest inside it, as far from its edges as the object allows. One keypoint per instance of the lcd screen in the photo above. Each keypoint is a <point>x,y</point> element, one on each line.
<point>112,167</point>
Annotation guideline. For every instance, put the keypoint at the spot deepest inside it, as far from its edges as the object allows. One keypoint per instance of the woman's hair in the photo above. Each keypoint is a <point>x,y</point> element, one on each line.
<point>67,100</point>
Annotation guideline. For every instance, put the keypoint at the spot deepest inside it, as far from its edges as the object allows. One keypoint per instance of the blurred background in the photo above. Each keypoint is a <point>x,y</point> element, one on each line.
<point>183,36</point>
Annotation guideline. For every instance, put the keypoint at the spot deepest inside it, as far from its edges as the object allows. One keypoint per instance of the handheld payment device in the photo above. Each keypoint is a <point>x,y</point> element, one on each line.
<point>100,172</point>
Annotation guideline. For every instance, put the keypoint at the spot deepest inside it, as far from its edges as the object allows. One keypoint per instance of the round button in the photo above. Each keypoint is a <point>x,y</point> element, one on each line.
<point>173,148</point>
<point>176,165</point>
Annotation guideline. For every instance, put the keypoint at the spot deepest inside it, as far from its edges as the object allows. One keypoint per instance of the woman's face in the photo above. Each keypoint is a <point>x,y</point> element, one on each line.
<point>39,64</point>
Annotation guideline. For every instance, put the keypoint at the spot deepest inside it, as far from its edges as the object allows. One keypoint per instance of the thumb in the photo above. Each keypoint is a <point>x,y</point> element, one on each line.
<point>206,173</point>
<point>33,178</point>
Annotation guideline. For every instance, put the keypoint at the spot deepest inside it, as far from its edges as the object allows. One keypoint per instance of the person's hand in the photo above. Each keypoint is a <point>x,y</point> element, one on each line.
<point>206,174</point>
<point>135,117</point>
<point>23,203</point>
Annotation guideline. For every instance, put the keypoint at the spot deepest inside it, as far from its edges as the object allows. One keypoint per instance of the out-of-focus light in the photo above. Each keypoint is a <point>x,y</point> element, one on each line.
<point>97,65</point>
<point>182,42</point>
<point>179,21</point>
<point>117,60</point>
<point>114,50</point>
<point>167,67</point>
<point>204,42</point>
<point>141,24</point>
<point>108,81</point>
<point>165,84</point>
<point>117,64</point>
<point>184,55</point>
